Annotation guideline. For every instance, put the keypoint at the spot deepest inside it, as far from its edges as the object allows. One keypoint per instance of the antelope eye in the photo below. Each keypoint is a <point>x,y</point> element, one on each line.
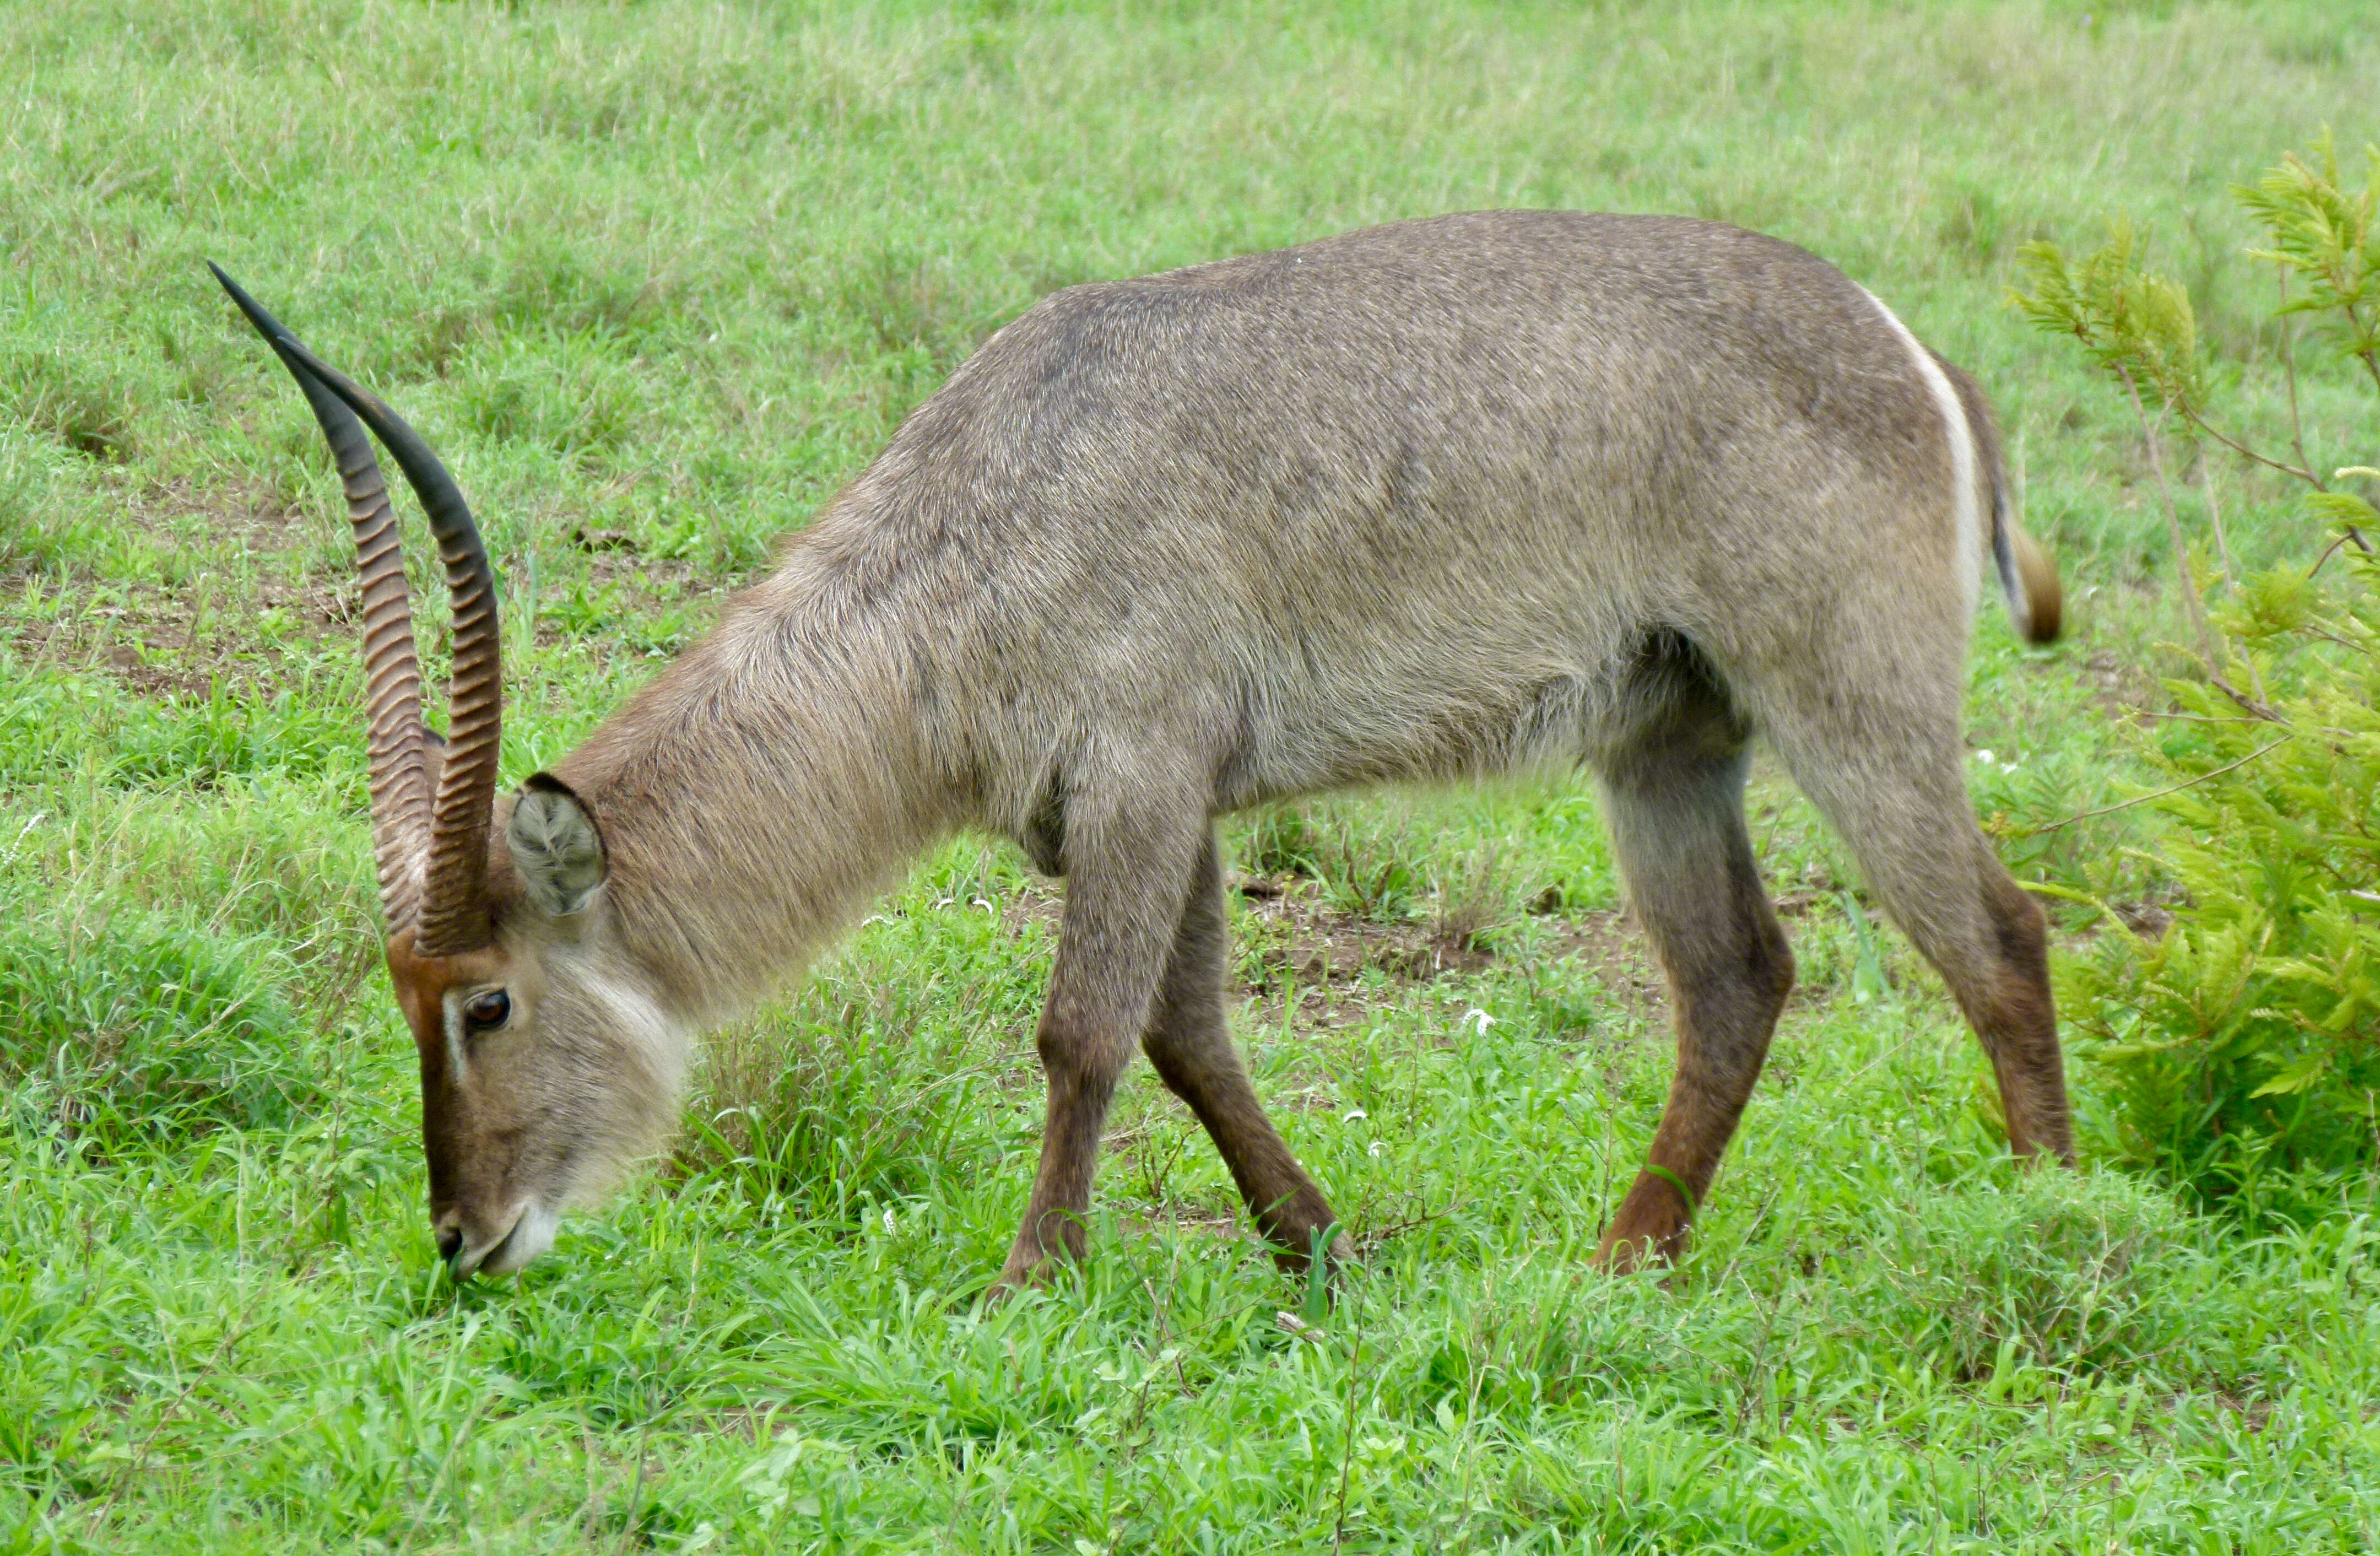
<point>486,1011</point>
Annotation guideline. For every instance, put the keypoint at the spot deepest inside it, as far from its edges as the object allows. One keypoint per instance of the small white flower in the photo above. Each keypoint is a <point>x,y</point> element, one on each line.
<point>1482,1018</point>
<point>889,1222</point>
<point>1985,756</point>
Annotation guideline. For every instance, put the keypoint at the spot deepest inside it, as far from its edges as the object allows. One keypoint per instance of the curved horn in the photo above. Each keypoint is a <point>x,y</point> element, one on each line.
<point>450,914</point>
<point>399,783</point>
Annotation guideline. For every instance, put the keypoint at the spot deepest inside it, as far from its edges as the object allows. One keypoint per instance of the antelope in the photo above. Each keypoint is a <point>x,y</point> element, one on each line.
<point>1427,501</point>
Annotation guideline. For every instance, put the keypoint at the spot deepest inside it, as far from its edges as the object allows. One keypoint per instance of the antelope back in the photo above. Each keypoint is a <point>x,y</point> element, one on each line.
<point>1406,503</point>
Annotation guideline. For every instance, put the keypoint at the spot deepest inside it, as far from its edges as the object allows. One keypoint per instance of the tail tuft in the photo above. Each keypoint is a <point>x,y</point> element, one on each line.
<point>2028,578</point>
<point>2036,603</point>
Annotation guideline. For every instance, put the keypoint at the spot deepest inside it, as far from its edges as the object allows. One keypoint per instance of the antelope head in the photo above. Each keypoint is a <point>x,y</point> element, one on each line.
<point>544,1064</point>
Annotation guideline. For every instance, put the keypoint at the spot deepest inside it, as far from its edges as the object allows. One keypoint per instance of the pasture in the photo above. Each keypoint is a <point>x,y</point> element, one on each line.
<point>657,279</point>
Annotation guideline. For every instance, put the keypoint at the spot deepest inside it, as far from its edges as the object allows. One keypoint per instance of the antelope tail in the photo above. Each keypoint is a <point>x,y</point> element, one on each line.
<point>2028,578</point>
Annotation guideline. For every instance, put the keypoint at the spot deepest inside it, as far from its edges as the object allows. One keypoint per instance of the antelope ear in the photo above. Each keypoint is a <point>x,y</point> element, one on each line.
<point>555,846</point>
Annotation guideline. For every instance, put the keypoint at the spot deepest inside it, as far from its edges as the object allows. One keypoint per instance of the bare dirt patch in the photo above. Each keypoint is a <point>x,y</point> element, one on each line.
<point>184,642</point>
<point>246,515</point>
<point>250,589</point>
<point>1341,968</point>
<point>236,559</point>
<point>1317,945</point>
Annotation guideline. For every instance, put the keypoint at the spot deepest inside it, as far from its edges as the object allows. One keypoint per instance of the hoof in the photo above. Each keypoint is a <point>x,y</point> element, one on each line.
<point>1031,1270</point>
<point>1650,1229</point>
<point>1625,1256</point>
<point>1339,1255</point>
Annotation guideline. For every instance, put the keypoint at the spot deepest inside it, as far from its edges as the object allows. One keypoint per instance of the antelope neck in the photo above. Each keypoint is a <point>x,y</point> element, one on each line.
<point>758,794</point>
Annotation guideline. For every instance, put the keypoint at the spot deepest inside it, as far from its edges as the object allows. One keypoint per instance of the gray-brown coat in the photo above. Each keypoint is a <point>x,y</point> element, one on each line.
<point>1424,501</point>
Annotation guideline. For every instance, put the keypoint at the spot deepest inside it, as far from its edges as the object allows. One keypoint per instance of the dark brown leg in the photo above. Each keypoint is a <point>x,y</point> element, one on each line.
<point>1190,1043</point>
<point>1125,875</point>
<point>1884,762</point>
<point>2005,994</point>
<point>1676,810</point>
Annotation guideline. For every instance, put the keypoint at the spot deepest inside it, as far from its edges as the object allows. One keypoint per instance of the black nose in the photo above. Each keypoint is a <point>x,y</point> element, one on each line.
<point>450,1243</point>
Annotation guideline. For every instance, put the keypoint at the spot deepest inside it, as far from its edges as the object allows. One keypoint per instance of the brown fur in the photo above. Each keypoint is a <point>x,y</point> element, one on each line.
<point>2047,618</point>
<point>1425,500</point>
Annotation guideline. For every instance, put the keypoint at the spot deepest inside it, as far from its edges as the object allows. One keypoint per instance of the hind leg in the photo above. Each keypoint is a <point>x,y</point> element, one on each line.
<point>1674,799</point>
<point>1190,1043</point>
<point>1880,754</point>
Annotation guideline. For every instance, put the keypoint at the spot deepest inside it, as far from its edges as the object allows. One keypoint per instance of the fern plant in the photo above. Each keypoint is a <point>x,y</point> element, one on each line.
<point>2240,1052</point>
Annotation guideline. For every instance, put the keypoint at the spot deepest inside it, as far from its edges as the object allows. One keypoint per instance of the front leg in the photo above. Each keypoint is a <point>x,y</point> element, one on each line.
<point>1189,1040</point>
<point>1128,868</point>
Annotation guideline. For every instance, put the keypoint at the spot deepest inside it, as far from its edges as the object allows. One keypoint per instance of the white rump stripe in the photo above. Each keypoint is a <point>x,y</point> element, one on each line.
<point>1966,504</point>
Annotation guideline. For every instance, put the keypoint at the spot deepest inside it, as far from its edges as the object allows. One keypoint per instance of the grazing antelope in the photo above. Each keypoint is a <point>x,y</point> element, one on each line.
<point>1427,500</point>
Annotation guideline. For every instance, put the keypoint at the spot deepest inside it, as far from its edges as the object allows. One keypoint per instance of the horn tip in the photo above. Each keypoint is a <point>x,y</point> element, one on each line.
<point>223,278</point>
<point>266,324</point>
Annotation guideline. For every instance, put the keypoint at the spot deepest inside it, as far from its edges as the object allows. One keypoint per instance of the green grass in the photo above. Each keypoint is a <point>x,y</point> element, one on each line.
<point>657,278</point>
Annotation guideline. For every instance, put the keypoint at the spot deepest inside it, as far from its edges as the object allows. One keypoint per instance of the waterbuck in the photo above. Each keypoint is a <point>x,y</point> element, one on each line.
<point>1425,500</point>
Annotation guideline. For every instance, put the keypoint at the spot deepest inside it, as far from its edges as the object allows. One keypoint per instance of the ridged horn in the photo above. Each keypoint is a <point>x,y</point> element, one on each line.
<point>449,915</point>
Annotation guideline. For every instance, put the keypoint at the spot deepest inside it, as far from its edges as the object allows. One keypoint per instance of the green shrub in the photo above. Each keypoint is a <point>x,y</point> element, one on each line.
<point>2240,1050</point>
<point>2241,1044</point>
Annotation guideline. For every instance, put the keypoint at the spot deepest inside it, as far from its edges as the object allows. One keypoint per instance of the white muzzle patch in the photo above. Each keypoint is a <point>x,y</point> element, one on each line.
<point>531,1236</point>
